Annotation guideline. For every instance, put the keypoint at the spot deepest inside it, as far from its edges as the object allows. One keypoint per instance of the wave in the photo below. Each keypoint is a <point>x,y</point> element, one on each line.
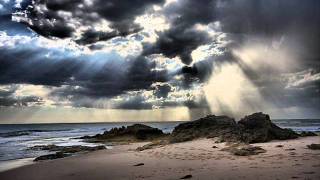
<point>28,132</point>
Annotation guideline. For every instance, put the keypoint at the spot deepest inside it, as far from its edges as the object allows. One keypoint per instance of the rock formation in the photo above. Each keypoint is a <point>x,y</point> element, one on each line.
<point>136,132</point>
<point>63,151</point>
<point>251,129</point>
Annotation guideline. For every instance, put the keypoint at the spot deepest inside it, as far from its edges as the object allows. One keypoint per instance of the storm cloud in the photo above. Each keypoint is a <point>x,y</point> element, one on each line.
<point>88,52</point>
<point>62,18</point>
<point>182,37</point>
<point>10,99</point>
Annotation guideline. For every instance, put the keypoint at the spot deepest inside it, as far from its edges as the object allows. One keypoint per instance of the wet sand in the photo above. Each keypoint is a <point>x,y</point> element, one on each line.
<point>197,158</point>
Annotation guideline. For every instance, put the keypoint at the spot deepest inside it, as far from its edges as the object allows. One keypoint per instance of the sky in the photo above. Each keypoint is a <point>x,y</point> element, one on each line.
<point>158,60</point>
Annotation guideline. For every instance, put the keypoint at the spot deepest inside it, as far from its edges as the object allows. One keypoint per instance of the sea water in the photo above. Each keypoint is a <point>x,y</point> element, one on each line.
<point>16,139</point>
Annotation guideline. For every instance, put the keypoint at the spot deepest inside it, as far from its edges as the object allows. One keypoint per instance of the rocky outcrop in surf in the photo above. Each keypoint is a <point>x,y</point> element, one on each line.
<point>136,132</point>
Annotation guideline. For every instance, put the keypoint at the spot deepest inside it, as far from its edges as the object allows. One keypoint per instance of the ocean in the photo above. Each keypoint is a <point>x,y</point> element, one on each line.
<point>15,139</point>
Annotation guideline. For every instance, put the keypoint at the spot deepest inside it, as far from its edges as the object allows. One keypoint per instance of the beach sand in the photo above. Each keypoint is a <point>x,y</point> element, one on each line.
<point>197,158</point>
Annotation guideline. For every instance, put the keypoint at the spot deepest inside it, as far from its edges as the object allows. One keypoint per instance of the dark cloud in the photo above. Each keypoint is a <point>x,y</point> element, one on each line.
<point>61,18</point>
<point>135,103</point>
<point>30,66</point>
<point>92,36</point>
<point>83,79</point>
<point>162,90</point>
<point>78,76</point>
<point>182,38</point>
<point>8,98</point>
<point>177,42</point>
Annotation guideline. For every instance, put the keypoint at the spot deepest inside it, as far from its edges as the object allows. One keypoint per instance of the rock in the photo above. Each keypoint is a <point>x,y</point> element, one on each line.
<point>210,126</point>
<point>56,155</point>
<point>139,164</point>
<point>292,153</point>
<point>152,145</point>
<point>279,146</point>
<point>290,149</point>
<point>187,176</point>
<point>258,127</point>
<point>314,146</point>
<point>307,133</point>
<point>244,150</point>
<point>136,132</point>
<point>214,147</point>
<point>254,128</point>
<point>63,151</point>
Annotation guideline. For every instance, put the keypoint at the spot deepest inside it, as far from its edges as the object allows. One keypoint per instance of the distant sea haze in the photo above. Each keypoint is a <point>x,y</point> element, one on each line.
<point>16,139</point>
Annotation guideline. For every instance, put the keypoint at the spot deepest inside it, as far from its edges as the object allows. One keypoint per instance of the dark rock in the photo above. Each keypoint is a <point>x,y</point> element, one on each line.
<point>314,146</point>
<point>139,164</point>
<point>187,176</point>
<point>290,149</point>
<point>254,128</point>
<point>214,147</point>
<point>259,128</point>
<point>210,126</point>
<point>56,155</point>
<point>63,151</point>
<point>279,146</point>
<point>307,133</point>
<point>244,150</point>
<point>136,132</point>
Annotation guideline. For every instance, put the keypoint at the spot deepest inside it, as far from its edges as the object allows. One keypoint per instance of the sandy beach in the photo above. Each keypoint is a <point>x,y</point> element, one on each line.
<point>197,158</point>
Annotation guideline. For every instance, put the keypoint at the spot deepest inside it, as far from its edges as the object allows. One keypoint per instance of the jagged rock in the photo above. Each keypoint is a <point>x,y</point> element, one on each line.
<point>210,126</point>
<point>258,127</point>
<point>314,146</point>
<point>254,128</point>
<point>136,132</point>
<point>307,133</point>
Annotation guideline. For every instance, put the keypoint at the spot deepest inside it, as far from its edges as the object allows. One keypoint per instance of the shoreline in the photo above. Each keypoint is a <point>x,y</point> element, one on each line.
<point>198,158</point>
<point>15,163</point>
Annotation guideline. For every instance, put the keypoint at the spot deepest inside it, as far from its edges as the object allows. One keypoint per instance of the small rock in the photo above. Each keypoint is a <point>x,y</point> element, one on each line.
<point>279,145</point>
<point>244,150</point>
<point>307,133</point>
<point>139,164</point>
<point>187,176</point>
<point>62,151</point>
<point>314,146</point>
<point>214,147</point>
<point>290,149</point>
<point>56,155</point>
<point>247,151</point>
